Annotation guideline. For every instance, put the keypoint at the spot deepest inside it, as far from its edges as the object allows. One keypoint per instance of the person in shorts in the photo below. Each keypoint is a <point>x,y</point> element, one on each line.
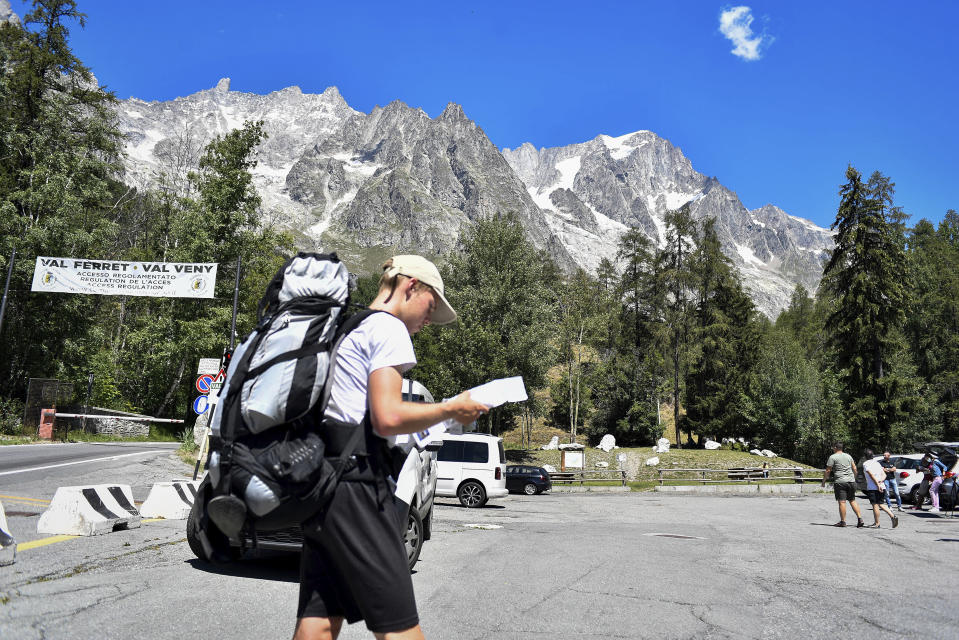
<point>842,468</point>
<point>354,564</point>
<point>875,488</point>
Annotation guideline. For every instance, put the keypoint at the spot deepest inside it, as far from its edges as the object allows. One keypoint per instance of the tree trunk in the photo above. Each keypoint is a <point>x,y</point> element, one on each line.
<point>176,383</point>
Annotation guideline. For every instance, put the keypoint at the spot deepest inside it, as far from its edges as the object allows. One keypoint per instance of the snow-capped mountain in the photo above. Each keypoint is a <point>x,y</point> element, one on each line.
<point>592,190</point>
<point>370,185</point>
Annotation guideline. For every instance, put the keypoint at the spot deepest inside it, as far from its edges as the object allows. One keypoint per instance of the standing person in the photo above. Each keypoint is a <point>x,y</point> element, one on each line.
<point>875,487</point>
<point>354,564</point>
<point>892,484</point>
<point>936,468</point>
<point>843,470</point>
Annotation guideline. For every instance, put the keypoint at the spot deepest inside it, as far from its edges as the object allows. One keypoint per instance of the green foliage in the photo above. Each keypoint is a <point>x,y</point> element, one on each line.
<point>500,287</point>
<point>864,276</point>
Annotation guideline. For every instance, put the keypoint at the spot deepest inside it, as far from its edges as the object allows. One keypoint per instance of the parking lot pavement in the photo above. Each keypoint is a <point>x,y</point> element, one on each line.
<point>549,566</point>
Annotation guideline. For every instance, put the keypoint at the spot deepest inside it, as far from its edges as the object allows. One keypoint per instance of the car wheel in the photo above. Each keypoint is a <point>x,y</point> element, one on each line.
<point>414,537</point>
<point>529,489</point>
<point>471,494</point>
<point>912,494</point>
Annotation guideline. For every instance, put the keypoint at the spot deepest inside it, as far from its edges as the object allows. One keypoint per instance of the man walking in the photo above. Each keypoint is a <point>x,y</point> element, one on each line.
<point>354,565</point>
<point>843,470</point>
<point>875,487</point>
<point>891,483</point>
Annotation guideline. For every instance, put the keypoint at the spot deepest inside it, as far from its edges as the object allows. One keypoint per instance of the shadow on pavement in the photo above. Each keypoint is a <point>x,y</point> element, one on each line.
<point>284,567</point>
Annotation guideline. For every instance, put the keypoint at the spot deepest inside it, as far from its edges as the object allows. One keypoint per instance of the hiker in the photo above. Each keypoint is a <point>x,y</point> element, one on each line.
<point>354,563</point>
<point>875,487</point>
<point>892,483</point>
<point>843,470</point>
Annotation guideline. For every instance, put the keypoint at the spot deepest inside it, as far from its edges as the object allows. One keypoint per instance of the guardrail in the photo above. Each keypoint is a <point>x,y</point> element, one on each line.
<point>581,477</point>
<point>744,475</point>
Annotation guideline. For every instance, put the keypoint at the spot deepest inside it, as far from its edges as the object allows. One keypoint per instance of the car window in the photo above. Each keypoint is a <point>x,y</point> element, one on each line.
<point>502,453</point>
<point>475,452</point>
<point>451,451</point>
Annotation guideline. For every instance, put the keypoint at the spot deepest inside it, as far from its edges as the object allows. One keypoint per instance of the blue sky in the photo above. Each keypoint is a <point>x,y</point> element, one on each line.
<point>829,83</point>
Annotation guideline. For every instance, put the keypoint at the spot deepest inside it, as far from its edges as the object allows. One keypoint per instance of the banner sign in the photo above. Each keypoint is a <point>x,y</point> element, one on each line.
<point>117,278</point>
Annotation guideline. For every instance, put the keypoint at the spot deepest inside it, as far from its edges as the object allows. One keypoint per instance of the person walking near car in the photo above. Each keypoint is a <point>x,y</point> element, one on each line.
<point>875,487</point>
<point>354,565</point>
<point>843,470</point>
<point>892,483</point>
<point>932,469</point>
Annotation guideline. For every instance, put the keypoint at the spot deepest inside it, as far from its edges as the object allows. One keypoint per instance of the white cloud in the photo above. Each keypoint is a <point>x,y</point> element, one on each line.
<point>736,24</point>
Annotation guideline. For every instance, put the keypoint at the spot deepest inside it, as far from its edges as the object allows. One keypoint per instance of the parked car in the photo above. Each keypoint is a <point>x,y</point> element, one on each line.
<point>908,476</point>
<point>470,467</point>
<point>528,480</point>
<point>415,490</point>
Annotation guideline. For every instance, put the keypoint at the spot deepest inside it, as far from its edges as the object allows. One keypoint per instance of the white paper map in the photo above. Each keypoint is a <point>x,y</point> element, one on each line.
<point>492,394</point>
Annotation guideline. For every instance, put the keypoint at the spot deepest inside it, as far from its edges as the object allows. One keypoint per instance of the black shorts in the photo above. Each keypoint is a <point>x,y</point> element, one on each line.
<point>354,562</point>
<point>875,496</point>
<point>844,491</point>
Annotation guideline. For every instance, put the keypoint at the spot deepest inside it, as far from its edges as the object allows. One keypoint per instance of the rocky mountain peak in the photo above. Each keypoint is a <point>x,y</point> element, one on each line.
<point>368,185</point>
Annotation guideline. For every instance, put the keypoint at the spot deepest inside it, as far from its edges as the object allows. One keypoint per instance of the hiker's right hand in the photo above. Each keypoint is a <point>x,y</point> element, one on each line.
<point>464,409</point>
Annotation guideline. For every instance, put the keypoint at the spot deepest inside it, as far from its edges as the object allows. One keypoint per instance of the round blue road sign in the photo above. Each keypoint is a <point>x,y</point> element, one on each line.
<point>200,405</point>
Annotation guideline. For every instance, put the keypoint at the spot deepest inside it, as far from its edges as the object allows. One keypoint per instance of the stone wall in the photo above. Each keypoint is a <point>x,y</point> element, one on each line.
<point>118,427</point>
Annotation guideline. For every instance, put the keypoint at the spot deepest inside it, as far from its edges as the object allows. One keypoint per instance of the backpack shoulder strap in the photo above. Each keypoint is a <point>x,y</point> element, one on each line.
<point>351,323</point>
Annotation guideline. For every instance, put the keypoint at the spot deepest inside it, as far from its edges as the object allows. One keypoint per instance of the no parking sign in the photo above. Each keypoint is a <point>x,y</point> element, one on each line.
<point>204,383</point>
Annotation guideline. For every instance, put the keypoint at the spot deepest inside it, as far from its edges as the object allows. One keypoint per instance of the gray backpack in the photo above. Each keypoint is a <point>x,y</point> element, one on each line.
<point>267,466</point>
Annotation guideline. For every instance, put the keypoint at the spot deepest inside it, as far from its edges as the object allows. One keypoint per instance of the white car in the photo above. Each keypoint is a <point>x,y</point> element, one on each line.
<point>471,467</point>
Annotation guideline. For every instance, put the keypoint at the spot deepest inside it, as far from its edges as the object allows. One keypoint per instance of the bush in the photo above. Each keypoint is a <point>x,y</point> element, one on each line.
<point>11,417</point>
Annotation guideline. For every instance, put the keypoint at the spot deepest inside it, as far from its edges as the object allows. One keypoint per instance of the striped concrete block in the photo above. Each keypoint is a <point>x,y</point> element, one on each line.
<point>170,500</point>
<point>8,546</point>
<point>90,511</point>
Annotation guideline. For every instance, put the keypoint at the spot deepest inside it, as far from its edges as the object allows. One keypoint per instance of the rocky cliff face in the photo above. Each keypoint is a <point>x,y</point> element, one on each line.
<point>591,191</point>
<point>370,185</point>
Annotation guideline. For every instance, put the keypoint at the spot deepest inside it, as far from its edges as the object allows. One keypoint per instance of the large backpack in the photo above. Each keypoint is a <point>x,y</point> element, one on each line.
<point>269,466</point>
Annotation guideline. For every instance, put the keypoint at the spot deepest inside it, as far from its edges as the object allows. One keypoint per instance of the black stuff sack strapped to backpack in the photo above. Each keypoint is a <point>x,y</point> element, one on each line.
<point>268,464</point>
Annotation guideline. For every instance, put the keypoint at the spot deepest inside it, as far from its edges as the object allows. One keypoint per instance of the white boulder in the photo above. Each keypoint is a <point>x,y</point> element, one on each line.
<point>553,444</point>
<point>662,445</point>
<point>712,444</point>
<point>756,452</point>
<point>602,464</point>
<point>768,453</point>
<point>608,443</point>
<point>652,462</point>
<point>549,468</point>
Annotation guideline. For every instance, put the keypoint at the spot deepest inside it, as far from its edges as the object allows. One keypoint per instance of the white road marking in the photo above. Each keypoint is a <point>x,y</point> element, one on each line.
<point>67,464</point>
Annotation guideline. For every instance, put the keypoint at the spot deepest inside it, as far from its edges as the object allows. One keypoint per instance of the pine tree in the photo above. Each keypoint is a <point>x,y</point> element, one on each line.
<point>672,297</point>
<point>864,276</point>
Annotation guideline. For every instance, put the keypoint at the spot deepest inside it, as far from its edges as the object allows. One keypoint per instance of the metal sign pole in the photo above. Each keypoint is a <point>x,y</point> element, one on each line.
<point>6,288</point>
<point>236,295</point>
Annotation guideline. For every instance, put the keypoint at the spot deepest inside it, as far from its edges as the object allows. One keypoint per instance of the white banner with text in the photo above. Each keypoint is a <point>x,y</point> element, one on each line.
<point>118,278</point>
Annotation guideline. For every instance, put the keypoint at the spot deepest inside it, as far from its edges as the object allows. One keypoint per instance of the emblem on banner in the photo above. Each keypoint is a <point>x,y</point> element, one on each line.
<point>48,279</point>
<point>198,284</point>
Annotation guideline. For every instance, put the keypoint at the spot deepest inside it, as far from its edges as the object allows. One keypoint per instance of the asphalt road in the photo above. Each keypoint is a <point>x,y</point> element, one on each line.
<point>551,566</point>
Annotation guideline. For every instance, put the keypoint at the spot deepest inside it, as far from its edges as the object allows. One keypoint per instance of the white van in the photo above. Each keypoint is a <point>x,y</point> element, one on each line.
<point>471,467</point>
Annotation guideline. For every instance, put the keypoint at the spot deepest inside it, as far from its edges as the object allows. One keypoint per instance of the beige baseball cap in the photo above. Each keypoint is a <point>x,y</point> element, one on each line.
<point>426,272</point>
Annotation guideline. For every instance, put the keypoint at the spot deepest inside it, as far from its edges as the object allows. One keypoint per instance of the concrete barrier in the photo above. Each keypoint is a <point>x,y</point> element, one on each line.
<point>8,545</point>
<point>90,511</point>
<point>170,500</point>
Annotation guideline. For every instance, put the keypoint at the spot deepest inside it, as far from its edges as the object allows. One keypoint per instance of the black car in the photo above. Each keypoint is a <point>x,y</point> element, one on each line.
<point>528,480</point>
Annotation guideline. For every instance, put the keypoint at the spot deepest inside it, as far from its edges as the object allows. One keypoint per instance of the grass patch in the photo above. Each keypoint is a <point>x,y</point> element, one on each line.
<point>638,472</point>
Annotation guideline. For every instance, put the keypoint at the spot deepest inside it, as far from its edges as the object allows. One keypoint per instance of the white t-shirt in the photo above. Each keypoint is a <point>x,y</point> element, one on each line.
<point>870,467</point>
<point>380,341</point>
